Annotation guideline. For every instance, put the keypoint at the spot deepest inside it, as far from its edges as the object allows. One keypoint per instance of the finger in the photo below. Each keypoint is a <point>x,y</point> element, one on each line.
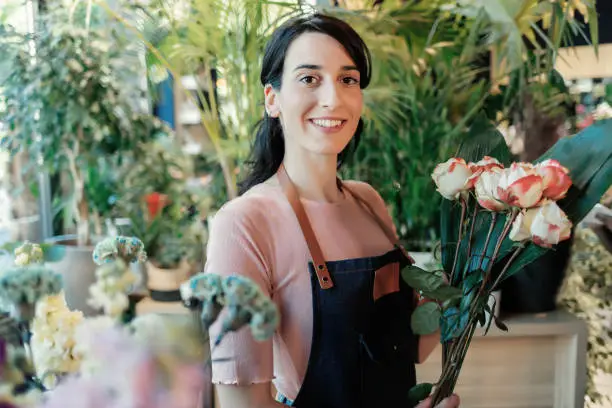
<point>426,403</point>
<point>451,402</point>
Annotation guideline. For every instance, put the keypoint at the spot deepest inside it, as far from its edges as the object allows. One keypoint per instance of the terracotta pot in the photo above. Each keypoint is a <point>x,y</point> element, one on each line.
<point>160,279</point>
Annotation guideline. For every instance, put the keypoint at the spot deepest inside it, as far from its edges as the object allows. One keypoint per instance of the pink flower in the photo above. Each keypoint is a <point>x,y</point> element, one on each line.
<point>451,178</point>
<point>545,226</point>
<point>520,186</point>
<point>487,192</point>
<point>555,179</point>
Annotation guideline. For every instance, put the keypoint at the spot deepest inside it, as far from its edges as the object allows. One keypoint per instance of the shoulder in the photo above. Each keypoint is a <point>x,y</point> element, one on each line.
<point>369,194</point>
<point>366,192</point>
<point>253,210</point>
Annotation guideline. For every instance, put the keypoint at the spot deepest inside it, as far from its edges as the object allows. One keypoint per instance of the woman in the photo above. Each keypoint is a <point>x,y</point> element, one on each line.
<point>323,249</point>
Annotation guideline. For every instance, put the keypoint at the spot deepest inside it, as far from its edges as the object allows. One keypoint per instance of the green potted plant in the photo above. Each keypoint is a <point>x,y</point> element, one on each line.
<point>194,43</point>
<point>432,77</point>
<point>71,106</point>
<point>165,207</point>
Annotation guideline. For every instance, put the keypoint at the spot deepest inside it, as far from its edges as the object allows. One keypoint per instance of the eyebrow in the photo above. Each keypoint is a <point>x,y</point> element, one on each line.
<point>315,67</point>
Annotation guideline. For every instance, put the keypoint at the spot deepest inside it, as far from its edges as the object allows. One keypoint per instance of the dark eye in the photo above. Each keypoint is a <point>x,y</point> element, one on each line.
<point>308,79</point>
<point>350,80</point>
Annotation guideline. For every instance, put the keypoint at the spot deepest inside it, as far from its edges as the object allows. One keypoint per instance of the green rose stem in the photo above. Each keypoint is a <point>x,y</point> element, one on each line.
<point>488,239</point>
<point>516,253</point>
<point>460,237</point>
<point>476,211</point>
<point>454,351</point>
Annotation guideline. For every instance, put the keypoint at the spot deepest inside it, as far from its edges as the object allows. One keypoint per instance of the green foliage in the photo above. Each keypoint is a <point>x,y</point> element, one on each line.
<point>431,79</point>
<point>219,44</point>
<point>73,107</point>
<point>419,392</point>
<point>422,280</point>
<point>426,318</point>
<point>170,225</point>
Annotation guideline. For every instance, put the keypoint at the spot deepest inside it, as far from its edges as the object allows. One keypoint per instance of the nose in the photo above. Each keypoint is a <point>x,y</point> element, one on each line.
<point>329,95</point>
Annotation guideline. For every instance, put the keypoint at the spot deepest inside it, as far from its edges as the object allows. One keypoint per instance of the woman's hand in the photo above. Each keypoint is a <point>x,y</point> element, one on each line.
<point>450,402</point>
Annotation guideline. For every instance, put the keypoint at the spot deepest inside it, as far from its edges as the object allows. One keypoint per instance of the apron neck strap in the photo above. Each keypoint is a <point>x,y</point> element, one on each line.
<point>311,240</point>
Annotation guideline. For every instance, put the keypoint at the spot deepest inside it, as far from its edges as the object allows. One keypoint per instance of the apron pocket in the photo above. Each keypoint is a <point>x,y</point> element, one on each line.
<point>389,347</point>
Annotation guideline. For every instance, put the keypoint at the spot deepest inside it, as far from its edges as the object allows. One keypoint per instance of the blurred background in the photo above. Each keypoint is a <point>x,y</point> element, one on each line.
<point>136,117</point>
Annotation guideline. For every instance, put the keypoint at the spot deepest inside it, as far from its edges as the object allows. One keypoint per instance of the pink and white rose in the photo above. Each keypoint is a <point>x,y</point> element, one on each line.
<point>555,179</point>
<point>486,163</point>
<point>520,186</point>
<point>451,178</point>
<point>545,226</point>
<point>487,192</point>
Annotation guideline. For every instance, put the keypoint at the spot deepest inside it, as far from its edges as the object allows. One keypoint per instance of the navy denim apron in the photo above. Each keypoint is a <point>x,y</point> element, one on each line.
<point>363,350</point>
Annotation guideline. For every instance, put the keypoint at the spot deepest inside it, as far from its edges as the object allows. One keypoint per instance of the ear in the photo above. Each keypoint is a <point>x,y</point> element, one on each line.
<point>271,101</point>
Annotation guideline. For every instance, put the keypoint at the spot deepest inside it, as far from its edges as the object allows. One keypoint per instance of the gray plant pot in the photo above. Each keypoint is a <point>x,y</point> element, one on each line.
<point>22,229</point>
<point>78,272</point>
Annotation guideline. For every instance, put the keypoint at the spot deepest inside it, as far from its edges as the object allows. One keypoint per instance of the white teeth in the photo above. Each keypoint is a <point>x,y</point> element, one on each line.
<point>327,123</point>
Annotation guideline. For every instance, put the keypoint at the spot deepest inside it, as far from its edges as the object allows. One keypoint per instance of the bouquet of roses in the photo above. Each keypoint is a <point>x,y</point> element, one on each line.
<point>497,217</point>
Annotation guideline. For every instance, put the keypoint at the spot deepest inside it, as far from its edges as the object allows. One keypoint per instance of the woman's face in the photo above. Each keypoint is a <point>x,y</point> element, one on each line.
<point>320,100</point>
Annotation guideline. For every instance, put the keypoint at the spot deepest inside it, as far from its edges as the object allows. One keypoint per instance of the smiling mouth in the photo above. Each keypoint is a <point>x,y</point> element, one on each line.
<point>329,124</point>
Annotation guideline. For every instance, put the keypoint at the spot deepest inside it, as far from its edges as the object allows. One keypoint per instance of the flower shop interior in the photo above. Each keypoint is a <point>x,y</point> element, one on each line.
<point>125,125</point>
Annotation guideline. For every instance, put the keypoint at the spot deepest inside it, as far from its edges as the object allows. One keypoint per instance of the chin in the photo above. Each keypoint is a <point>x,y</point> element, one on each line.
<point>328,147</point>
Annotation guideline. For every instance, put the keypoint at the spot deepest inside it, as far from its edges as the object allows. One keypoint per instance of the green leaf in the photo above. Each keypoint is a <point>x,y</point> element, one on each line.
<point>472,281</point>
<point>491,319</point>
<point>482,318</point>
<point>444,293</point>
<point>452,323</point>
<point>426,318</point>
<point>419,392</point>
<point>500,325</point>
<point>420,279</point>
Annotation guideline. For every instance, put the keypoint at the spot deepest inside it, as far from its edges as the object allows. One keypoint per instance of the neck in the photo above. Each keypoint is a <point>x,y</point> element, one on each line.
<point>314,176</point>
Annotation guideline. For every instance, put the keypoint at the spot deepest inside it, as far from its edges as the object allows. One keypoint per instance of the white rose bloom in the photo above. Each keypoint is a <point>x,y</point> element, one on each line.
<point>545,226</point>
<point>451,178</point>
<point>487,192</point>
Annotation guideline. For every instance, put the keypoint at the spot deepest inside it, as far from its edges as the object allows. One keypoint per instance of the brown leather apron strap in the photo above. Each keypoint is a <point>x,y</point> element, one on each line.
<point>311,240</point>
<point>316,254</point>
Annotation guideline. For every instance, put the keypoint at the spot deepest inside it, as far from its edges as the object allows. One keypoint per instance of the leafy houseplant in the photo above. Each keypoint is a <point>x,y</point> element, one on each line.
<point>495,221</point>
<point>162,207</point>
<point>436,66</point>
<point>68,107</point>
<point>218,44</point>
